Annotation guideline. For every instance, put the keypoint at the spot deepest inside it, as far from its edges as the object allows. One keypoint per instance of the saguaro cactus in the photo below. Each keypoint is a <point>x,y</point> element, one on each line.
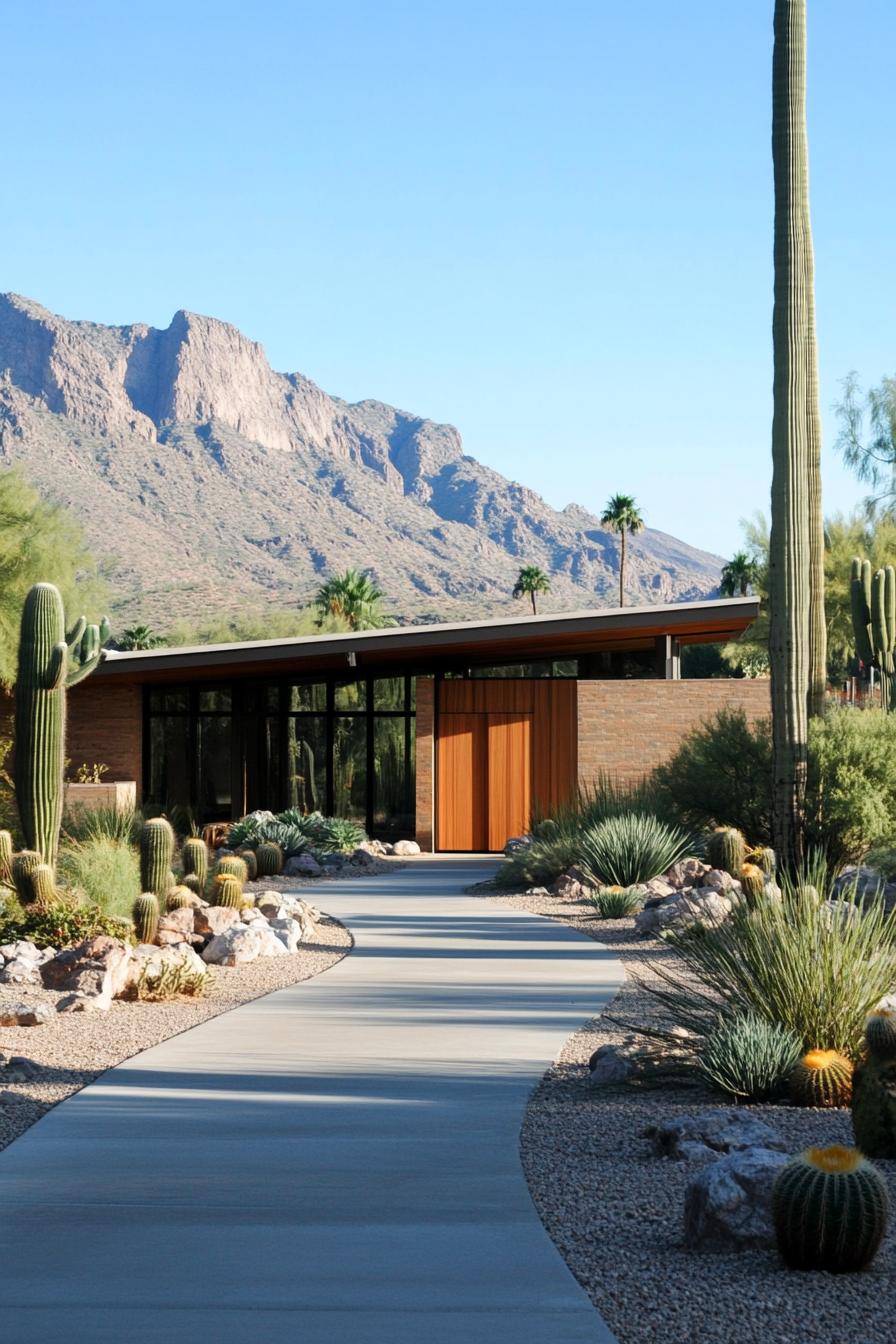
<point>860,605</point>
<point>50,660</point>
<point>883,632</point>
<point>796,633</point>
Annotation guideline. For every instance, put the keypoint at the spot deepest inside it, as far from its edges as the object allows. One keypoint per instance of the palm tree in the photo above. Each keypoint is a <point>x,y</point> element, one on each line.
<point>529,581</point>
<point>622,515</point>
<point>796,639</point>
<point>354,598</point>
<point>138,637</point>
<point>739,575</point>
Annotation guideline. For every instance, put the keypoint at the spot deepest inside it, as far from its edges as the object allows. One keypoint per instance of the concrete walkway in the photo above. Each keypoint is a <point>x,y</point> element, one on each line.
<point>335,1162</point>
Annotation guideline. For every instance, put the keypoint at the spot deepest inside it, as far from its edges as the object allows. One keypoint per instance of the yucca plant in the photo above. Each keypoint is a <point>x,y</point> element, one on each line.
<point>623,851</point>
<point>749,1057</point>
<point>789,962</point>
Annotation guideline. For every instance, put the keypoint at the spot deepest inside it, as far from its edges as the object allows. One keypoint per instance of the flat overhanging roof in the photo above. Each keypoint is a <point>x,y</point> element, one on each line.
<point>558,635</point>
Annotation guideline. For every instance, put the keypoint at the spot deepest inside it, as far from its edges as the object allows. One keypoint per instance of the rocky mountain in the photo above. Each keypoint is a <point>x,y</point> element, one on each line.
<point>209,483</point>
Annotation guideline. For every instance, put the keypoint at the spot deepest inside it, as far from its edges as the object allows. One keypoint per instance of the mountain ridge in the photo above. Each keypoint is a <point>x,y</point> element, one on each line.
<point>256,483</point>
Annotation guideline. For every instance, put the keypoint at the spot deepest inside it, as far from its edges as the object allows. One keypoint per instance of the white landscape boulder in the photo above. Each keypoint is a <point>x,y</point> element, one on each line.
<point>150,962</point>
<point>271,945</point>
<point>211,920</point>
<point>94,971</point>
<point>234,947</point>
<point>405,847</point>
<point>288,930</point>
<point>26,1014</point>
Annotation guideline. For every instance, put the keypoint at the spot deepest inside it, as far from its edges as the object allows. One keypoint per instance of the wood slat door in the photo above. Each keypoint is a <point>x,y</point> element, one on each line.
<point>462,793</point>
<point>509,776</point>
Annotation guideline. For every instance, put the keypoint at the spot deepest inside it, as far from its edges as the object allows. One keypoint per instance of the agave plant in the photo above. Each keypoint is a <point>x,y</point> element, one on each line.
<point>749,1057</point>
<point>635,847</point>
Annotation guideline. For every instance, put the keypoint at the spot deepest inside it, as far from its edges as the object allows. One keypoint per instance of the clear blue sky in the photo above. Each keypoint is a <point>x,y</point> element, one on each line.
<point>547,224</point>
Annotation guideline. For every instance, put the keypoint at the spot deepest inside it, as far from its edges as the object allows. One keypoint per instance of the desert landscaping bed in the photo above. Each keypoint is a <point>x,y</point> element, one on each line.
<point>73,1049</point>
<point>615,1209</point>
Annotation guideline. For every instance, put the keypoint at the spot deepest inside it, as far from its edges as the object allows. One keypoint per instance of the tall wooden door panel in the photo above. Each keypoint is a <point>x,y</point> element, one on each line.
<point>509,776</point>
<point>462,786</point>
<point>504,748</point>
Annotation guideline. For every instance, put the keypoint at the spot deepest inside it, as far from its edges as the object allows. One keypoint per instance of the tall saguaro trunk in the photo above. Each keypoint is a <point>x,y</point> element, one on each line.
<point>796,637</point>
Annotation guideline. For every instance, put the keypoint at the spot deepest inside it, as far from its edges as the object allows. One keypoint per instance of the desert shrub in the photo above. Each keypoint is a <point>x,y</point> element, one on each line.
<point>172,982</point>
<point>295,832</point>
<point>883,859</point>
<point>557,839</point>
<point>749,1057</point>
<point>616,902</point>
<point>788,960</point>
<point>104,823</point>
<point>538,864</point>
<point>635,847</point>
<point>105,869</point>
<point>851,799</point>
<point>66,921</point>
<point>721,775</point>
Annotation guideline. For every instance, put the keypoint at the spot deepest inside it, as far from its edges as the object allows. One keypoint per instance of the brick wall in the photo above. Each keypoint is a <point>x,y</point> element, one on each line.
<point>626,728</point>
<point>425,783</point>
<point>105,724</point>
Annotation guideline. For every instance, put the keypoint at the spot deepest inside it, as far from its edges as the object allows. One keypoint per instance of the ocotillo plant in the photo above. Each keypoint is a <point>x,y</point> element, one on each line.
<point>50,660</point>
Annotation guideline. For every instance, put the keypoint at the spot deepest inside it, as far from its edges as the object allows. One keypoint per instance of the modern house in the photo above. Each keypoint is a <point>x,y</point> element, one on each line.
<point>452,734</point>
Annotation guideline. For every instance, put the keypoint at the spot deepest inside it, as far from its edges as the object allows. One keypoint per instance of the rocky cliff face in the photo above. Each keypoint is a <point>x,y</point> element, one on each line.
<point>208,480</point>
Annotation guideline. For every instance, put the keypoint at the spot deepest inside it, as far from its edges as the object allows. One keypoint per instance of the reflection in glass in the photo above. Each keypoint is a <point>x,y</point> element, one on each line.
<point>215,701</point>
<point>169,762</point>
<point>306,763</point>
<point>350,694</point>
<point>388,693</point>
<point>350,768</point>
<point>308,696</point>
<point>213,737</point>
<point>393,776</point>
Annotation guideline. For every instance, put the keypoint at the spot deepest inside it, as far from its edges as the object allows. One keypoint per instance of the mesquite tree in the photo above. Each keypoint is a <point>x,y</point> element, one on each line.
<point>796,584</point>
<point>50,660</point>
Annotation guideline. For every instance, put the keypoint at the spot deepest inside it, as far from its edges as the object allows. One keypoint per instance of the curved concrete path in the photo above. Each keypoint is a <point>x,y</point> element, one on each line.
<point>335,1162</point>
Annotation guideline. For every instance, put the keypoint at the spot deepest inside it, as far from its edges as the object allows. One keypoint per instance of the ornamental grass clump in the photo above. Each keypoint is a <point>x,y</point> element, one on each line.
<point>748,1057</point>
<point>786,960</point>
<point>623,851</point>
<point>616,902</point>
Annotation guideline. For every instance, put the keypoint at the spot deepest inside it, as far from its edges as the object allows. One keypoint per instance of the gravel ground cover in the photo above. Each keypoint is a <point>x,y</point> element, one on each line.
<point>615,1211</point>
<point>75,1048</point>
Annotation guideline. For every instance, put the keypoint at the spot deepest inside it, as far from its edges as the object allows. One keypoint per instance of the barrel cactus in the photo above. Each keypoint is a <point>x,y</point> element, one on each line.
<point>145,914</point>
<point>830,1210</point>
<point>227,890</point>
<point>764,859</point>
<point>50,660</point>
<point>874,1090</point>
<point>231,865</point>
<point>269,858</point>
<point>178,898</point>
<point>752,882</point>
<point>23,866</point>
<point>194,858</point>
<point>880,1033</point>
<point>726,849</point>
<point>822,1078</point>
<point>43,885</point>
<point>156,850</point>
<point>249,859</point>
<point>193,882</point>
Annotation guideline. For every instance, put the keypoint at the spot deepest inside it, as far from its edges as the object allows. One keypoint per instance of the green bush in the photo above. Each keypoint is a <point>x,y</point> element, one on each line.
<point>616,902</point>
<point>295,832</point>
<point>721,775</point>
<point>623,851</point>
<point>105,869</point>
<point>557,839</point>
<point>104,823</point>
<point>749,1057</point>
<point>851,799</point>
<point>789,961</point>
<point>67,921</point>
